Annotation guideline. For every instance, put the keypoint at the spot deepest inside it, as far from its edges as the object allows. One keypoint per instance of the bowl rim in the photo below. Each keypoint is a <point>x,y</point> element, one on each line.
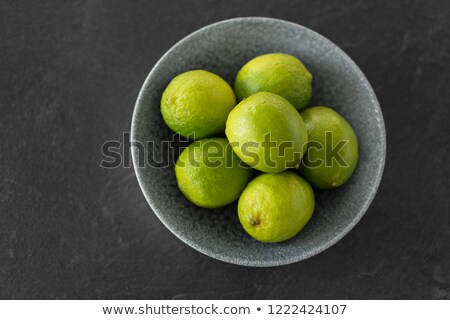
<point>252,263</point>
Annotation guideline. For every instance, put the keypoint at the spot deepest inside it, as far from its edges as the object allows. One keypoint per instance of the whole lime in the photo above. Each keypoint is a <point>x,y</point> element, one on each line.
<point>278,73</point>
<point>209,174</point>
<point>275,206</point>
<point>332,153</point>
<point>267,132</point>
<point>196,104</point>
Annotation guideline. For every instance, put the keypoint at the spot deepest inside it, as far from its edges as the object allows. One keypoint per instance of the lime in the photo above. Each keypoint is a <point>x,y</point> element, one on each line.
<point>196,104</point>
<point>267,132</point>
<point>332,152</point>
<point>278,73</point>
<point>209,174</point>
<point>275,206</point>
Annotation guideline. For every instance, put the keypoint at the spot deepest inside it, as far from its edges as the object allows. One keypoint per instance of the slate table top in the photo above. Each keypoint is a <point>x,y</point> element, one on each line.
<point>70,73</point>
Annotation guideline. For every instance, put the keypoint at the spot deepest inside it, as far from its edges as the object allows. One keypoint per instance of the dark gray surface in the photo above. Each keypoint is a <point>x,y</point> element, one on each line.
<point>69,78</point>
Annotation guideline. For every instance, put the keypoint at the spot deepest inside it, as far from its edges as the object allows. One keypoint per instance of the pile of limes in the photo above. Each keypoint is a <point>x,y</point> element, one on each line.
<point>269,130</point>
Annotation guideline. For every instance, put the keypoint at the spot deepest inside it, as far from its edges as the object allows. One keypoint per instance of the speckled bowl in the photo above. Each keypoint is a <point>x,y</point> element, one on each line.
<point>223,48</point>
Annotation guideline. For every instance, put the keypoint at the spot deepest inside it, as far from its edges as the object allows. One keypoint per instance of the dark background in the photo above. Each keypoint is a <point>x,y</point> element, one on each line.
<point>69,77</point>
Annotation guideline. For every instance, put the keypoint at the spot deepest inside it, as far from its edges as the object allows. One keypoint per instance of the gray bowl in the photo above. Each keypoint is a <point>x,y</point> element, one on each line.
<point>223,48</point>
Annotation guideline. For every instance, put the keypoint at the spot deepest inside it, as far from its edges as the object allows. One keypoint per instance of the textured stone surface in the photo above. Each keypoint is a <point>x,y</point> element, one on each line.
<point>224,48</point>
<point>70,75</point>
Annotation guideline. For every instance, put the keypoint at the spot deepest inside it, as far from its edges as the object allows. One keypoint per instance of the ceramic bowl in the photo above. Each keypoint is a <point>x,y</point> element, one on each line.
<point>223,48</point>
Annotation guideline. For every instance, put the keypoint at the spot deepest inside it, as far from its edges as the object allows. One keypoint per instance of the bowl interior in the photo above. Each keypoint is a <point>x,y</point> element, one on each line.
<point>223,48</point>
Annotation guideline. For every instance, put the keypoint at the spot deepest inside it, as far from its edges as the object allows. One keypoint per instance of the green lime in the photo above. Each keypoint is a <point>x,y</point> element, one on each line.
<point>267,132</point>
<point>332,153</point>
<point>209,174</point>
<point>196,104</point>
<point>278,73</point>
<point>275,206</point>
